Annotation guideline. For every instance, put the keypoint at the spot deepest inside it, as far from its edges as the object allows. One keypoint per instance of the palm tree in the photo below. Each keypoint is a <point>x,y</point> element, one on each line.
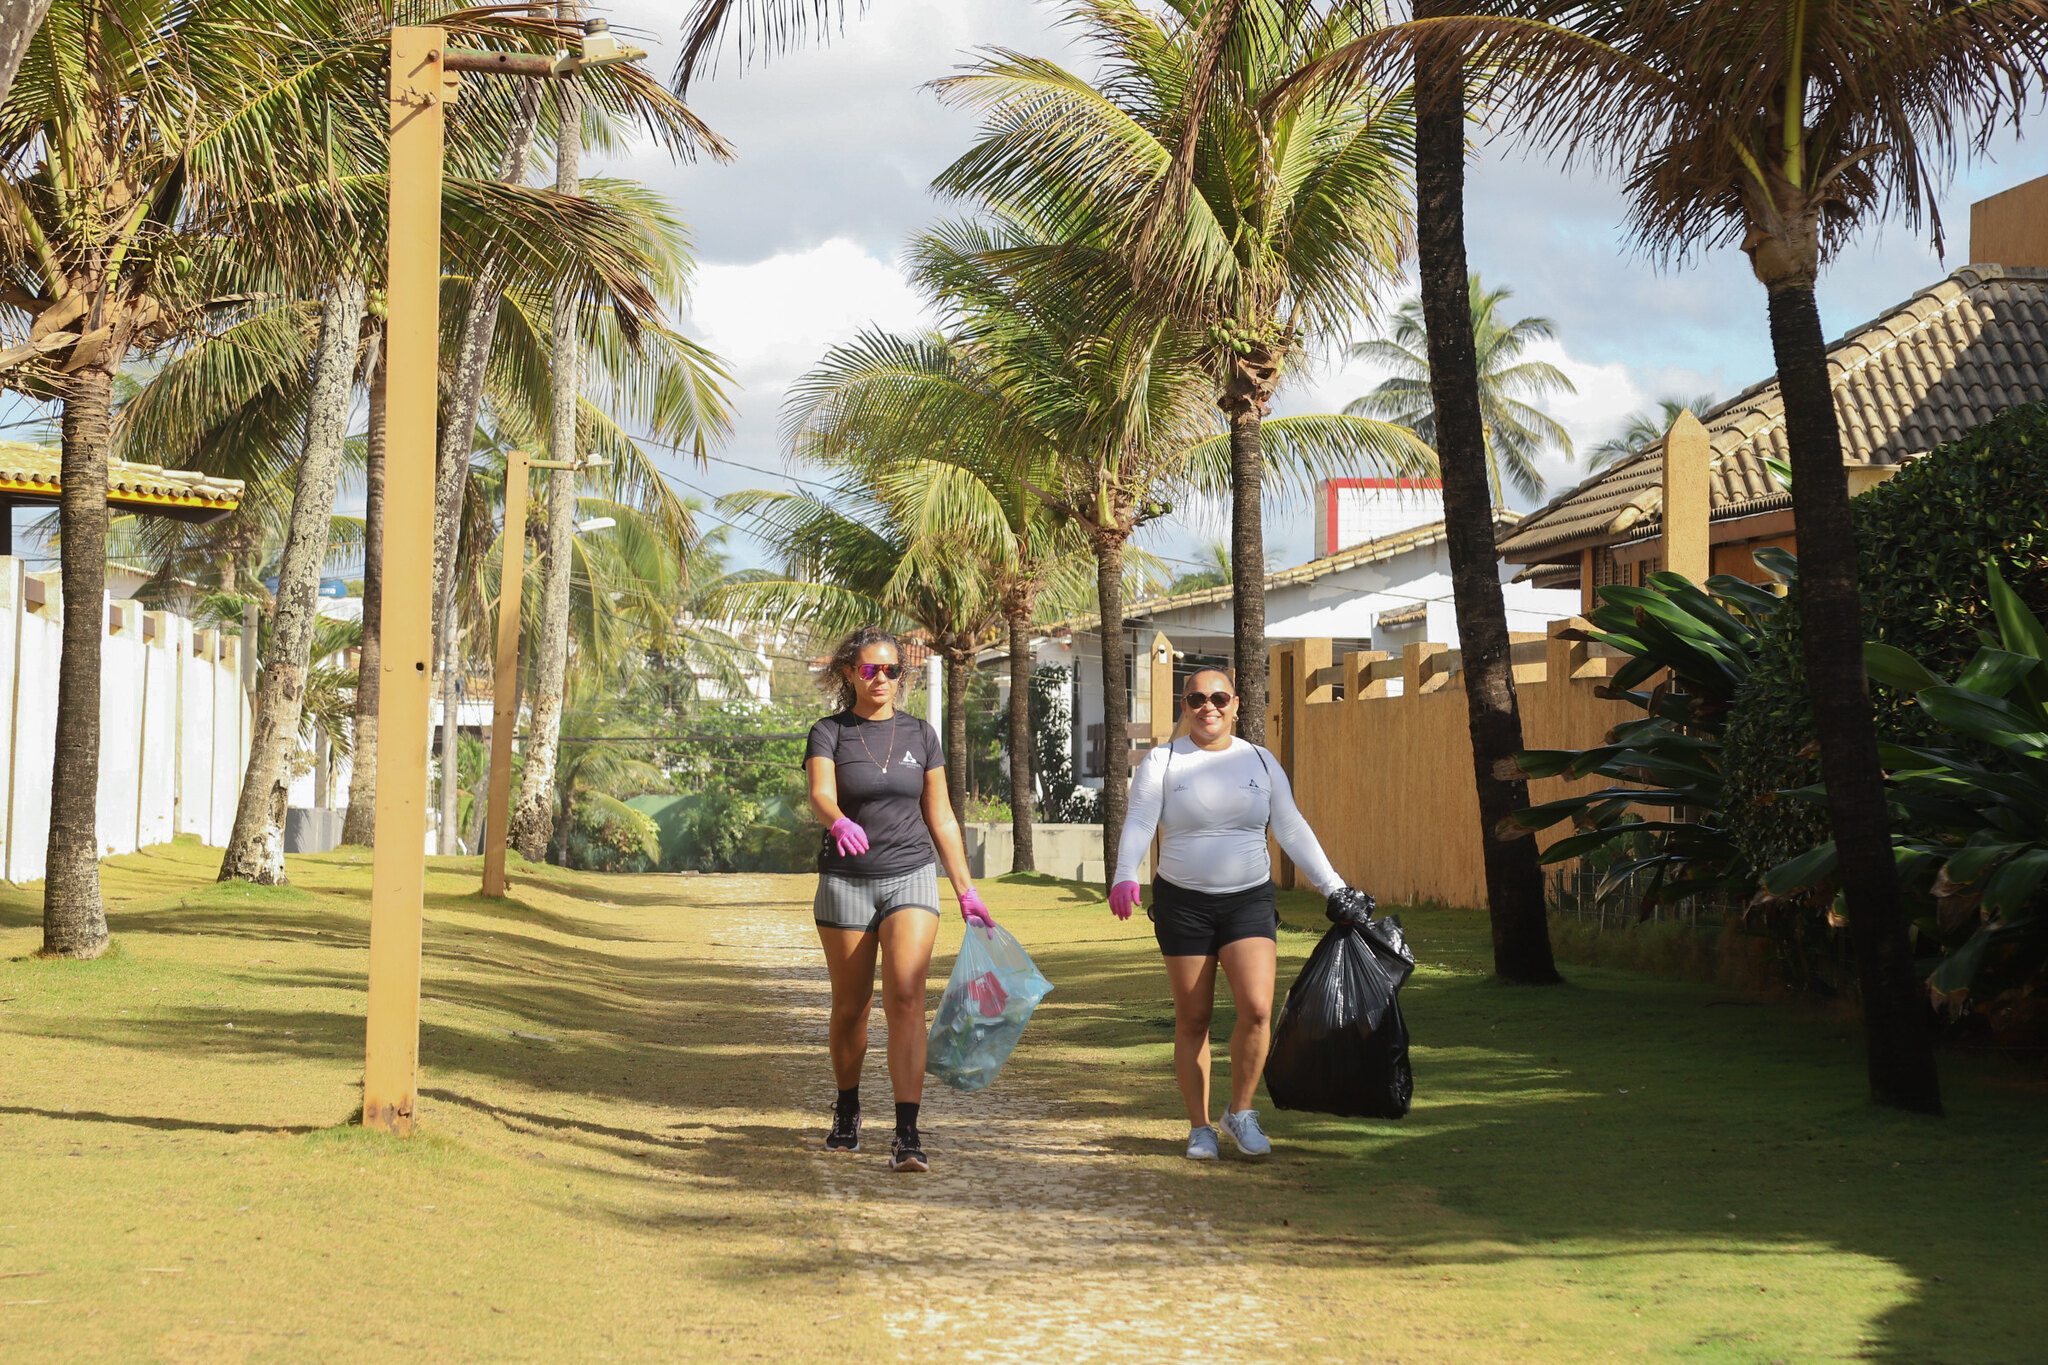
<point>359,826</point>
<point>872,401</point>
<point>699,410</point>
<point>231,404</point>
<point>1213,573</point>
<point>255,850</point>
<point>1516,433</point>
<point>1114,400</point>
<point>1294,211</point>
<point>19,20</point>
<point>1783,126</point>
<point>1434,48</point>
<point>857,555</point>
<point>1640,429</point>
<point>119,244</point>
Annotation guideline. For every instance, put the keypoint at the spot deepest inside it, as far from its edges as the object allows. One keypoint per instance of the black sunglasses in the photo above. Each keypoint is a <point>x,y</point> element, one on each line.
<point>1219,700</point>
<point>867,671</point>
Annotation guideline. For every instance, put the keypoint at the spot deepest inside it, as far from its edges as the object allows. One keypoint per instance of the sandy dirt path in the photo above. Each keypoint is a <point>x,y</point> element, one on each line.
<point>1030,1240</point>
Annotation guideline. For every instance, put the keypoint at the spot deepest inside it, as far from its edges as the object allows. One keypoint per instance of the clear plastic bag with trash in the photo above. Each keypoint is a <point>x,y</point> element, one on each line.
<point>1340,1045</point>
<point>989,999</point>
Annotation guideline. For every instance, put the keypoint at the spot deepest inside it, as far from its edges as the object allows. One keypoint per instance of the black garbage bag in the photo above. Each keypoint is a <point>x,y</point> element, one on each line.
<point>1340,1045</point>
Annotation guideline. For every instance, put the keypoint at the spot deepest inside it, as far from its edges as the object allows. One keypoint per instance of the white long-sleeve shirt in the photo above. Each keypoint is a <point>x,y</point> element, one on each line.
<point>1211,808</point>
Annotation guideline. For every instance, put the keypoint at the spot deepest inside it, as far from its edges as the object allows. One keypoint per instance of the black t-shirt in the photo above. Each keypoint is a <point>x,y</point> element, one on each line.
<point>880,767</point>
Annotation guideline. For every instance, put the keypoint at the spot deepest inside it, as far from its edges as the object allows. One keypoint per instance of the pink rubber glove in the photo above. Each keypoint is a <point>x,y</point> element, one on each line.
<point>975,913</point>
<point>851,838</point>
<point>1123,898</point>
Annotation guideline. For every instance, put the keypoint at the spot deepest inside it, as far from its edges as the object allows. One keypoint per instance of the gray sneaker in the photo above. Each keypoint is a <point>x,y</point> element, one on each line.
<point>1244,1130</point>
<point>1201,1144</point>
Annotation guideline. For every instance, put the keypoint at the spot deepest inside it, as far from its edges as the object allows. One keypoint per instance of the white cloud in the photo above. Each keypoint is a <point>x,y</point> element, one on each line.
<point>771,320</point>
<point>837,146</point>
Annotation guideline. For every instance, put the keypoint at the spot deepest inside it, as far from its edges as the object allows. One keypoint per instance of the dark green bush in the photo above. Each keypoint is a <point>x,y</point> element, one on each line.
<point>1922,538</point>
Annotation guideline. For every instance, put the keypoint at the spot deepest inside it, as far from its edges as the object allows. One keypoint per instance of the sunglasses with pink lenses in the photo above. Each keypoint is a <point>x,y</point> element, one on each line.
<point>868,671</point>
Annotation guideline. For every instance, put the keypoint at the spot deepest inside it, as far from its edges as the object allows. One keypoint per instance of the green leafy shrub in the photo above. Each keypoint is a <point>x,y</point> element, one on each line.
<point>1061,797</point>
<point>1689,652</point>
<point>1970,818</point>
<point>1922,538</point>
<point>607,835</point>
<point>717,830</point>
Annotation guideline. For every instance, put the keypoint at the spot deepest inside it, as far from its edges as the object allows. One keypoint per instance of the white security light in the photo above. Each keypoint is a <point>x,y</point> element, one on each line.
<point>600,48</point>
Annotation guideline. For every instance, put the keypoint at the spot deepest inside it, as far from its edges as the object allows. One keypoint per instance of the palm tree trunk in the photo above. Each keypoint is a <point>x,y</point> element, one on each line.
<point>1116,707</point>
<point>1901,1054</point>
<point>450,840</point>
<point>479,805</point>
<point>959,672</point>
<point>1024,857</point>
<point>19,20</point>
<point>255,851</point>
<point>1514,881</point>
<point>451,473</point>
<point>1248,568</point>
<point>533,814</point>
<point>561,832</point>
<point>466,392</point>
<point>74,920</point>
<point>359,826</point>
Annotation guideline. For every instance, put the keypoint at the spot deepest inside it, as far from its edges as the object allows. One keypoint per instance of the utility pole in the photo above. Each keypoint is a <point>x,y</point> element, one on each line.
<point>422,86</point>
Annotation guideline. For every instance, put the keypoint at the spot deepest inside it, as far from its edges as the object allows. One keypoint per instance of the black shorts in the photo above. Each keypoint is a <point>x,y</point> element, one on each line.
<point>1197,924</point>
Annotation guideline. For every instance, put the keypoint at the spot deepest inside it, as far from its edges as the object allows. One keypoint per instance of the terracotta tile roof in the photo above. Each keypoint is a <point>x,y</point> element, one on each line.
<point>32,471</point>
<point>1403,616</point>
<point>1366,552</point>
<point>1944,361</point>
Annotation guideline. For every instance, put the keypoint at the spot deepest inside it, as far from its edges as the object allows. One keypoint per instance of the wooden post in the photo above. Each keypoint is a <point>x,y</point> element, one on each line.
<point>505,671</point>
<point>1283,686</point>
<point>398,861</point>
<point>1688,503</point>
<point>1314,656</point>
<point>1161,697</point>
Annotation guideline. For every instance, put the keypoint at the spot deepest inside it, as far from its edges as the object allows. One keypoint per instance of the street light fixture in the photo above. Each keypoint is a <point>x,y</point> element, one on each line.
<point>423,84</point>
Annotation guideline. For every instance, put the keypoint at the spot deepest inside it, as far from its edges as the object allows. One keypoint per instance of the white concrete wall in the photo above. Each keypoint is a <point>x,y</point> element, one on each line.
<point>174,727</point>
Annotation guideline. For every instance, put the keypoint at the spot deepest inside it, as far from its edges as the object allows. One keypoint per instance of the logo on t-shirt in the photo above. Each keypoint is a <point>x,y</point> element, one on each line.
<point>909,757</point>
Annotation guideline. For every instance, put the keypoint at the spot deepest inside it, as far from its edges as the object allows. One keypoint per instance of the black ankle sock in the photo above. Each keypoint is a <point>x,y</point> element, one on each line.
<point>906,1116</point>
<point>848,1103</point>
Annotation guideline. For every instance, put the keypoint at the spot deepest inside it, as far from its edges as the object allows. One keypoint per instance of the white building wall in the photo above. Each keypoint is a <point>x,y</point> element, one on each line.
<point>156,802</point>
<point>168,720</point>
<point>230,754</point>
<point>123,670</point>
<point>1345,604</point>
<point>196,677</point>
<point>33,682</point>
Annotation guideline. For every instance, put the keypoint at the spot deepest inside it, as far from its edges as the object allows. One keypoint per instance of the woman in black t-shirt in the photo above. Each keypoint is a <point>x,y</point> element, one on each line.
<point>878,782</point>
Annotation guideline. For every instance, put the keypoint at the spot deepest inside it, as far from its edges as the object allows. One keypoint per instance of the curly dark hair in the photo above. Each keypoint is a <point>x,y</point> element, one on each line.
<point>833,682</point>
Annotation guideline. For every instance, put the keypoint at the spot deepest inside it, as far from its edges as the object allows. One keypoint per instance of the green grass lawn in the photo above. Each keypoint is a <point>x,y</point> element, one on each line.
<point>616,1152</point>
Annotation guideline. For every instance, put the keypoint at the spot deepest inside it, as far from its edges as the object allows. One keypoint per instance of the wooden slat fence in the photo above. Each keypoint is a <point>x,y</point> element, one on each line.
<point>1384,774</point>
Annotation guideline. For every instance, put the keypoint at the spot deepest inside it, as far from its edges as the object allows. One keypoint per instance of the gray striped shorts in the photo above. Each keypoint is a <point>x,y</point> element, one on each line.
<point>864,902</point>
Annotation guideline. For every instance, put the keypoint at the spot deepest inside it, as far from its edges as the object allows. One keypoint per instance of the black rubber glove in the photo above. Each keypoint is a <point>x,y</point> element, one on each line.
<point>1349,905</point>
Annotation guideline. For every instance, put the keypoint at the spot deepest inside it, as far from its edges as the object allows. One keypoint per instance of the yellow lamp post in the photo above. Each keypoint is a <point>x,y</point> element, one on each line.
<point>423,83</point>
<point>505,671</point>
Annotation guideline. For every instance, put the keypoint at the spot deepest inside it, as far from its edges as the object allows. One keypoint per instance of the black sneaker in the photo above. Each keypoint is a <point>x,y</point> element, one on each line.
<point>845,1134</point>
<point>906,1153</point>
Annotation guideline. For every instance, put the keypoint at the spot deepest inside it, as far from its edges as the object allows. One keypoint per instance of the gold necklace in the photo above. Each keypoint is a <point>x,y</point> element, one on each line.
<point>860,733</point>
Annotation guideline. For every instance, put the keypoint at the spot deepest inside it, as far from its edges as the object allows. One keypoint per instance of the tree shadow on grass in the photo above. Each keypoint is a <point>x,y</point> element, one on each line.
<point>1616,1121</point>
<point>156,1121</point>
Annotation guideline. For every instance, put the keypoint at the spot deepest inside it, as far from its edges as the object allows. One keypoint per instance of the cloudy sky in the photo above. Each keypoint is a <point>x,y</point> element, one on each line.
<point>837,147</point>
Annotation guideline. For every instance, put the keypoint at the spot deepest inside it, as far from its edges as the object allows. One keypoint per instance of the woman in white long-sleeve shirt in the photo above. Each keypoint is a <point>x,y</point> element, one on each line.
<point>1211,797</point>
